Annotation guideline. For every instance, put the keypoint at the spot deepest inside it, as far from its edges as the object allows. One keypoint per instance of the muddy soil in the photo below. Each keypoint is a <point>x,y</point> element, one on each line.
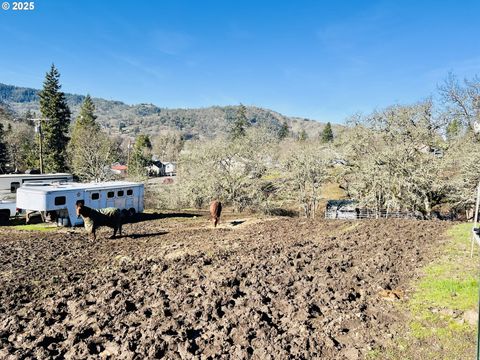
<point>176,288</point>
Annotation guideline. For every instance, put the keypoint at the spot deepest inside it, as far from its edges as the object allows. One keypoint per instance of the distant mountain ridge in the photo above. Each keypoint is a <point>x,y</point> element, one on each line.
<point>121,118</point>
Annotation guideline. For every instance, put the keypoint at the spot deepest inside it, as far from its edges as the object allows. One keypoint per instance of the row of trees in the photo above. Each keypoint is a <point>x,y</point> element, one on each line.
<point>252,168</point>
<point>392,159</point>
<point>419,158</point>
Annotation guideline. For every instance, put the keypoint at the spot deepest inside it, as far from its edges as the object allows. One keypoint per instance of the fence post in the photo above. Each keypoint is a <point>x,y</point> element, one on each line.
<point>475,221</point>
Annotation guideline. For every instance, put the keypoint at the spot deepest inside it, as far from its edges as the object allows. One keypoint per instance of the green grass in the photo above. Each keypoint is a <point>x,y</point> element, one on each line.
<point>272,175</point>
<point>436,327</point>
<point>447,293</point>
<point>450,282</point>
<point>35,227</point>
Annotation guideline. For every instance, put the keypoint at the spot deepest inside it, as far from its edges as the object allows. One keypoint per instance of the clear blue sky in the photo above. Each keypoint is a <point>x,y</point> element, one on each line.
<point>319,59</point>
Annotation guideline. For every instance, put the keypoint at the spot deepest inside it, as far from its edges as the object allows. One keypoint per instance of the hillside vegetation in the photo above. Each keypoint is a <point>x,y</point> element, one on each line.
<point>150,119</point>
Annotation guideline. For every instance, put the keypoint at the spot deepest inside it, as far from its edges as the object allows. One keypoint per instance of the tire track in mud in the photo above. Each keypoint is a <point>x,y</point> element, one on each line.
<point>278,289</point>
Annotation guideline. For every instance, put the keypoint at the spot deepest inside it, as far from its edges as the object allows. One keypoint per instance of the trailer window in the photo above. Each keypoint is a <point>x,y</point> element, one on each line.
<point>120,193</point>
<point>14,186</point>
<point>95,196</point>
<point>110,194</point>
<point>130,192</point>
<point>60,200</point>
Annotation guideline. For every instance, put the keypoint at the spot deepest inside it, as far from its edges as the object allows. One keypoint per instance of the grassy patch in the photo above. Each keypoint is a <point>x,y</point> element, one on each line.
<point>350,227</point>
<point>35,227</point>
<point>451,282</point>
<point>332,191</point>
<point>272,175</point>
<point>447,293</point>
<point>438,325</point>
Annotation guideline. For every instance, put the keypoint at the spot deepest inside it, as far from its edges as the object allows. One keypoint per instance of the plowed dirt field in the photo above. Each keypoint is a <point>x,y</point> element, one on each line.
<point>175,288</point>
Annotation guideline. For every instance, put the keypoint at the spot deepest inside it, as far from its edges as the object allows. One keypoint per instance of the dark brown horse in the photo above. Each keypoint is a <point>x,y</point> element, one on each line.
<point>215,211</point>
<point>93,219</point>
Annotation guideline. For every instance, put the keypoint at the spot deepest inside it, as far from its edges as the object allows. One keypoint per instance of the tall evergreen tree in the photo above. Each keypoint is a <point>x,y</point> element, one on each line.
<point>90,151</point>
<point>3,151</point>
<point>54,109</point>
<point>240,124</point>
<point>85,122</point>
<point>327,133</point>
<point>87,117</point>
<point>283,131</point>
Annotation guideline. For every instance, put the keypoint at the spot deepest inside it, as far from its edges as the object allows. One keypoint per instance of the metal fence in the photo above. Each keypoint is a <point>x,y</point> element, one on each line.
<point>368,214</point>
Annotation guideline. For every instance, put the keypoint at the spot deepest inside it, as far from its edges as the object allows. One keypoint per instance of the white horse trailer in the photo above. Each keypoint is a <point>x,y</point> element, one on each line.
<point>9,183</point>
<point>62,197</point>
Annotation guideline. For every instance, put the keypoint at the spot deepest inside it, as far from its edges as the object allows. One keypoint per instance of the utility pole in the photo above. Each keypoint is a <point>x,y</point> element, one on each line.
<point>129,146</point>
<point>475,220</point>
<point>38,129</point>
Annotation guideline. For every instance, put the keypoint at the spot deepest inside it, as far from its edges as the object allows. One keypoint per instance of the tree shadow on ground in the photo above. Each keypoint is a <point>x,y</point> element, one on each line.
<point>139,236</point>
<point>156,216</point>
<point>237,222</point>
<point>283,212</point>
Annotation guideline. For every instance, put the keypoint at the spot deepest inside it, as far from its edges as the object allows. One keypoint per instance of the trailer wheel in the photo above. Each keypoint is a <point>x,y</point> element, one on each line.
<point>4,217</point>
<point>132,212</point>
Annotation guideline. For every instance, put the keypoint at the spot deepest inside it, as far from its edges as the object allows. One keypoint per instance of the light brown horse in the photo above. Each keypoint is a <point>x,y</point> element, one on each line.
<point>215,211</point>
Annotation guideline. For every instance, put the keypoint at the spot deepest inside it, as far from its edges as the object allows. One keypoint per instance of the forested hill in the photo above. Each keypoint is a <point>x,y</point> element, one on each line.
<point>150,119</point>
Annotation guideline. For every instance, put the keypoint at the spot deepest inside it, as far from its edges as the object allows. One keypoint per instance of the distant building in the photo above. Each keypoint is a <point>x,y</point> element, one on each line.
<point>341,209</point>
<point>119,169</point>
<point>170,168</point>
<point>158,168</point>
<point>349,209</point>
<point>155,168</point>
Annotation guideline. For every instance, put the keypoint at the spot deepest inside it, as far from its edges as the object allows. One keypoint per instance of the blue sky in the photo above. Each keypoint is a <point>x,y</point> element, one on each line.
<point>324,60</point>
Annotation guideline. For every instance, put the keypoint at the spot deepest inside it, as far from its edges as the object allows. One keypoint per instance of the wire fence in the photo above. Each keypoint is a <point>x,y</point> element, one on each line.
<point>368,214</point>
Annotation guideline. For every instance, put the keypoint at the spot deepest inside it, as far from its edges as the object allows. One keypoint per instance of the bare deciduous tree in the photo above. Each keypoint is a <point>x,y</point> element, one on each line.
<point>306,168</point>
<point>21,147</point>
<point>461,172</point>
<point>462,102</point>
<point>230,171</point>
<point>93,155</point>
<point>394,155</point>
<point>167,146</point>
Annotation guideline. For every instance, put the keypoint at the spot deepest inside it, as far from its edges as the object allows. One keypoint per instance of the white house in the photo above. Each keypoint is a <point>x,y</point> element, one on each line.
<point>156,168</point>
<point>170,168</point>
